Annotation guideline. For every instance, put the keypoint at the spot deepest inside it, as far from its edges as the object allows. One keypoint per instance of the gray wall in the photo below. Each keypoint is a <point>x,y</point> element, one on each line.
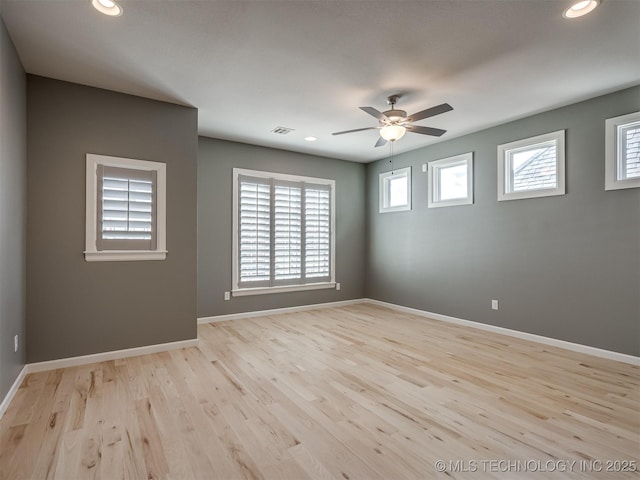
<point>565,267</point>
<point>216,161</point>
<point>75,307</point>
<point>13,213</point>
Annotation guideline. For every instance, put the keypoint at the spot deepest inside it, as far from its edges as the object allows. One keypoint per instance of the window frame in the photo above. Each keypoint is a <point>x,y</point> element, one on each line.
<point>433,170</point>
<point>91,252</point>
<point>384,180</point>
<point>613,142</point>
<point>237,290</point>
<point>506,149</point>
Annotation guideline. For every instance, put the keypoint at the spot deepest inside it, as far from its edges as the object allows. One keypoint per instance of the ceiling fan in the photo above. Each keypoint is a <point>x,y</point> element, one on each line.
<point>395,123</point>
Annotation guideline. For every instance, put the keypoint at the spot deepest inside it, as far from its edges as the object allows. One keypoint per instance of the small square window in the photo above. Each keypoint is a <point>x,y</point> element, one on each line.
<point>622,159</point>
<point>395,190</point>
<point>125,211</point>
<point>451,181</point>
<point>533,167</point>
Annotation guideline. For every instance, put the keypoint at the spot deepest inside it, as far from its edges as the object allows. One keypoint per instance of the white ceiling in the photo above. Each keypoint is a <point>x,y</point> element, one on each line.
<point>250,66</point>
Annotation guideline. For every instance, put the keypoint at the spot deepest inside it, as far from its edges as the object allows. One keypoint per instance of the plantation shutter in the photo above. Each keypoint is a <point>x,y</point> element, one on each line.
<point>630,151</point>
<point>317,233</point>
<point>284,232</point>
<point>127,208</point>
<point>255,231</point>
<point>287,235</point>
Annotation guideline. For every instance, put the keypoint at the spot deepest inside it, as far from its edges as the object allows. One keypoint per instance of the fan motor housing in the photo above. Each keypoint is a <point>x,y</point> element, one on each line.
<point>395,115</point>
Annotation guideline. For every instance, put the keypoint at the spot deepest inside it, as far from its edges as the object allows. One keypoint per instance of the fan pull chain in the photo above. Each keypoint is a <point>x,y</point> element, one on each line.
<point>391,159</point>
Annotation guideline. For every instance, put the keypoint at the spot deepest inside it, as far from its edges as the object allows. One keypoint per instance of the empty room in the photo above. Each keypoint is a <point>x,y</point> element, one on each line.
<point>319,239</point>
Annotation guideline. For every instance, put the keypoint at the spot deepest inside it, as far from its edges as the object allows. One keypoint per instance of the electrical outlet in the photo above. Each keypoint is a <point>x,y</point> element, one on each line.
<point>424,167</point>
<point>337,286</point>
<point>227,295</point>
<point>15,343</point>
<point>494,304</point>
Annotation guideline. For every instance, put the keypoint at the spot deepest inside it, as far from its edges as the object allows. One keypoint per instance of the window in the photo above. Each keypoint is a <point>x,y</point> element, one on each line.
<point>451,181</point>
<point>533,167</point>
<point>622,158</point>
<point>284,236</point>
<point>125,212</point>
<point>395,190</point>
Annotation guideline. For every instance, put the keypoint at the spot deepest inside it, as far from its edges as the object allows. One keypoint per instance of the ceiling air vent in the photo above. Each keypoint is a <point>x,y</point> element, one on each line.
<point>282,130</point>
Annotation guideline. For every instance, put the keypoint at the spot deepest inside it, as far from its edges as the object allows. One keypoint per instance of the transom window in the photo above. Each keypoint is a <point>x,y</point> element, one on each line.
<point>451,181</point>
<point>283,232</point>
<point>533,167</point>
<point>622,152</point>
<point>395,190</point>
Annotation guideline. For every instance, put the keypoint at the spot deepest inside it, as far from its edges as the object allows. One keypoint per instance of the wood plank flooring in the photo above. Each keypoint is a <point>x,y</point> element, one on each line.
<point>358,392</point>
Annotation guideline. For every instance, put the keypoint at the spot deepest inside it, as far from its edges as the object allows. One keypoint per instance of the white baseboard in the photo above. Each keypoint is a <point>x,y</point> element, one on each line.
<point>163,347</point>
<point>12,391</point>
<point>86,359</point>
<point>105,356</point>
<point>276,311</point>
<point>575,347</point>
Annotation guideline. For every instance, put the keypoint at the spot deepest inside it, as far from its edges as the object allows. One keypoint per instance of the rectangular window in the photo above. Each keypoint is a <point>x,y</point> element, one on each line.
<point>283,233</point>
<point>533,167</point>
<point>125,209</point>
<point>395,190</point>
<point>451,181</point>
<point>622,158</point>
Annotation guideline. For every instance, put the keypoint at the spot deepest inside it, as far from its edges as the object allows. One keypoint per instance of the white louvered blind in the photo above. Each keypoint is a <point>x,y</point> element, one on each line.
<point>255,230</point>
<point>317,232</point>
<point>284,232</point>
<point>287,231</point>
<point>630,150</point>
<point>126,209</point>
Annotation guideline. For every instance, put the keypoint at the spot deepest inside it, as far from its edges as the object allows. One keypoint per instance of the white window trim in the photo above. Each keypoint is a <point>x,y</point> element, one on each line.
<point>612,153</point>
<point>558,137</point>
<point>236,290</point>
<point>91,253</point>
<point>434,187</point>
<point>382,191</point>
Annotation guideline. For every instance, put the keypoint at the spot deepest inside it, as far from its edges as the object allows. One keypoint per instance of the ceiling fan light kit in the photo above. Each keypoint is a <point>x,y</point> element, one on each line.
<point>392,133</point>
<point>393,123</point>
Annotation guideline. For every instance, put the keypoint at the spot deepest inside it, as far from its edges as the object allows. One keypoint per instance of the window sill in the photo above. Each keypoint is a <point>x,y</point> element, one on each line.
<point>543,192</point>
<point>124,255</point>
<point>242,292</point>
<point>402,208</point>
<point>450,203</point>
<point>622,184</point>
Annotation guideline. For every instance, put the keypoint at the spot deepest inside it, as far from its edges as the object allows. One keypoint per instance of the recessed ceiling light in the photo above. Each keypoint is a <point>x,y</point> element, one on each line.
<point>310,139</point>
<point>108,7</point>
<point>581,8</point>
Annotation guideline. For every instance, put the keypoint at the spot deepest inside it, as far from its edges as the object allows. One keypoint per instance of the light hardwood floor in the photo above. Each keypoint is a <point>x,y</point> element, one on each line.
<point>357,392</point>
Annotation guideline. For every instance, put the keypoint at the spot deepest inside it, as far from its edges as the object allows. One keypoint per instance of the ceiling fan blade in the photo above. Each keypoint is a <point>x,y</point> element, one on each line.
<point>430,112</point>
<point>375,113</point>
<point>381,141</point>
<point>356,130</point>
<point>436,132</point>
